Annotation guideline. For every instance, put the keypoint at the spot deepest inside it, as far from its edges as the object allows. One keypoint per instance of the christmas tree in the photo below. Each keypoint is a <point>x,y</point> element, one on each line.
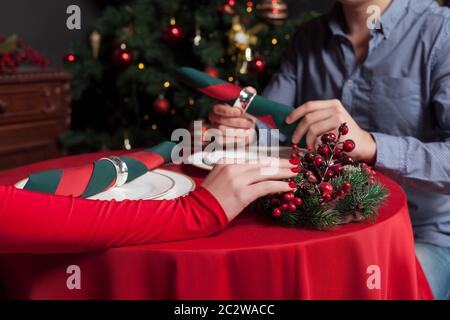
<point>123,86</point>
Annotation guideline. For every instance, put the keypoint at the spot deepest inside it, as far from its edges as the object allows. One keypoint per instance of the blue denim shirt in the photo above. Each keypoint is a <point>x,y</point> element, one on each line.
<point>400,93</point>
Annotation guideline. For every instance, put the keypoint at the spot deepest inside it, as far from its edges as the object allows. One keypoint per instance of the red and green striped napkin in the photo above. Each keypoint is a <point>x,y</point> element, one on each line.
<point>88,180</point>
<point>227,92</point>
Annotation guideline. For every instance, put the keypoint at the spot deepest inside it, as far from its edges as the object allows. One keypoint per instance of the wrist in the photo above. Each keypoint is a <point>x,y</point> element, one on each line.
<point>368,151</point>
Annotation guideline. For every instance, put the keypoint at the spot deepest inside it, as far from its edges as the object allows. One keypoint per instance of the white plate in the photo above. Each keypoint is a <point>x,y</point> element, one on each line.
<point>158,184</point>
<point>206,160</point>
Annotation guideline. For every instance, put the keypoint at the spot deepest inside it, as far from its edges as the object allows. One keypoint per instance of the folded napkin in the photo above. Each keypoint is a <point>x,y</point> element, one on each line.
<point>88,180</point>
<point>227,92</point>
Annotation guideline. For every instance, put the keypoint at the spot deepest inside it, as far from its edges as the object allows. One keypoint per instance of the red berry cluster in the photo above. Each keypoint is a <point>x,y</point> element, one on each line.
<point>369,171</point>
<point>20,53</point>
<point>317,168</point>
<point>289,202</point>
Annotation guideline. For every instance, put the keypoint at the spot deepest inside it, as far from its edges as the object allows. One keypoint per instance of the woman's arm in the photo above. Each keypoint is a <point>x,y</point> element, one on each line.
<point>32,222</point>
<point>43,223</point>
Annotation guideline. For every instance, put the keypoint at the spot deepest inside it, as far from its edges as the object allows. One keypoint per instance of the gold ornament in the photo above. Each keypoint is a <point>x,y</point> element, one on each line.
<point>273,11</point>
<point>95,39</point>
<point>240,41</point>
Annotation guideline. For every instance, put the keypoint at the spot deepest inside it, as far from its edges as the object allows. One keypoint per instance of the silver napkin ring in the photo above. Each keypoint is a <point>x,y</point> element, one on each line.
<point>121,170</point>
<point>245,98</point>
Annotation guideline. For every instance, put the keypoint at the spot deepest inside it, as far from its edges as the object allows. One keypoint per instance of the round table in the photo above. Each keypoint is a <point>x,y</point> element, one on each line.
<point>253,258</point>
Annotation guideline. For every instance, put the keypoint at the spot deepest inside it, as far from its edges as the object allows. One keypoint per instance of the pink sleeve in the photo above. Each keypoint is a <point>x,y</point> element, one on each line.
<point>33,222</point>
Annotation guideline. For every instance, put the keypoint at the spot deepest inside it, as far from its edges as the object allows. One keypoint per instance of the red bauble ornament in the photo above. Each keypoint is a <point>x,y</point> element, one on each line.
<point>276,212</point>
<point>70,58</point>
<point>212,72</point>
<point>172,34</point>
<point>161,105</point>
<point>258,65</point>
<point>348,146</point>
<point>122,57</point>
<point>326,188</point>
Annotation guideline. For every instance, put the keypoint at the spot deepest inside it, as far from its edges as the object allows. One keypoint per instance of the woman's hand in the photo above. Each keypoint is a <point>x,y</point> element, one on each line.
<point>320,117</point>
<point>235,186</point>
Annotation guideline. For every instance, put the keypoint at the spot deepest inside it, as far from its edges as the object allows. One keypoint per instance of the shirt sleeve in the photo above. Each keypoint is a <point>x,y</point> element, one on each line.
<point>32,222</point>
<point>424,165</point>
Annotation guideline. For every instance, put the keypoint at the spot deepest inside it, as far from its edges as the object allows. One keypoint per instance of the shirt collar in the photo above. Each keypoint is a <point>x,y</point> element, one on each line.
<point>388,21</point>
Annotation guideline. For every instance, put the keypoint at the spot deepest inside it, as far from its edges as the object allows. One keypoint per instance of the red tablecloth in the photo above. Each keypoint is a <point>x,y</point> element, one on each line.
<point>252,259</point>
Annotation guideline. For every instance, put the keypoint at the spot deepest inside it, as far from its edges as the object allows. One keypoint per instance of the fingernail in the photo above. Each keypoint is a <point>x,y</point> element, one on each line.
<point>288,120</point>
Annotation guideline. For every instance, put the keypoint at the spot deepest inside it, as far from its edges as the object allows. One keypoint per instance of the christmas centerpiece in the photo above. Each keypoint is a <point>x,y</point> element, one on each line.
<point>331,188</point>
<point>14,53</point>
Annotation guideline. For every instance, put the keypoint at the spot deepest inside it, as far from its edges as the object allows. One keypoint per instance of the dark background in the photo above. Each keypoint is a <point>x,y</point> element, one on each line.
<point>42,23</point>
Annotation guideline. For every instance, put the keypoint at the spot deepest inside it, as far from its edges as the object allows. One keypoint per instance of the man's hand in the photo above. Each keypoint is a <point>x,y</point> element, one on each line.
<point>235,125</point>
<point>320,117</point>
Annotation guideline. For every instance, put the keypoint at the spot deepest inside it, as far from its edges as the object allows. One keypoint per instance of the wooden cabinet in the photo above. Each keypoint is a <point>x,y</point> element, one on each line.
<point>34,110</point>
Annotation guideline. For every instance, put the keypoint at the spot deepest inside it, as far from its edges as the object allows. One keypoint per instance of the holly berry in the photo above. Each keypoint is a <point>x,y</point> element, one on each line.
<point>348,146</point>
<point>347,160</point>
<point>329,174</point>
<point>298,201</point>
<point>340,193</point>
<point>343,129</point>
<point>292,184</point>
<point>346,186</point>
<point>326,138</point>
<point>292,207</point>
<point>284,206</point>
<point>337,168</point>
<point>326,197</point>
<point>294,155</point>
<point>276,212</point>
<point>337,152</point>
<point>324,150</point>
<point>295,146</point>
<point>326,188</point>
<point>318,161</point>
<point>309,158</point>
<point>332,137</point>
<point>312,178</point>
<point>274,201</point>
<point>288,196</point>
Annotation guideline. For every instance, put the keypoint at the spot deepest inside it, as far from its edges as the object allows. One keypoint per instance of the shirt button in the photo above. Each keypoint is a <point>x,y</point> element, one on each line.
<point>350,83</point>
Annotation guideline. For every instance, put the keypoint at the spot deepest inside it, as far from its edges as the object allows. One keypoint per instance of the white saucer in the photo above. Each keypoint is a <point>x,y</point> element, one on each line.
<point>158,184</point>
